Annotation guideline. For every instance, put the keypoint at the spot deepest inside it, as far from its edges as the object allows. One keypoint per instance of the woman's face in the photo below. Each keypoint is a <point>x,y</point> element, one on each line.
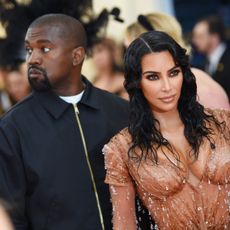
<point>161,81</point>
<point>17,85</point>
<point>101,56</point>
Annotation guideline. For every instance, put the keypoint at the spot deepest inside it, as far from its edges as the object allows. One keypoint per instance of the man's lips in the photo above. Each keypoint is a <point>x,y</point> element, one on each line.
<point>35,73</point>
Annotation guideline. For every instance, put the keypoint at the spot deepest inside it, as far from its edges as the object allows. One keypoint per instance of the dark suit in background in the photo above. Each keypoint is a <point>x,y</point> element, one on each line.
<point>222,73</point>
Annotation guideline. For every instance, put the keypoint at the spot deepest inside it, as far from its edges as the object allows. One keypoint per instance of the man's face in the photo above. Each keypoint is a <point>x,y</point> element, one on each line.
<point>49,58</point>
<point>201,37</point>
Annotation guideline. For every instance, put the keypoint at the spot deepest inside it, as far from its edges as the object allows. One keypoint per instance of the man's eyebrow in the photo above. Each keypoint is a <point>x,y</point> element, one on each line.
<point>39,41</point>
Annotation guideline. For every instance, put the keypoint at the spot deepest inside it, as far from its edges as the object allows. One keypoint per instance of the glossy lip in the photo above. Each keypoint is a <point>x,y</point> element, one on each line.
<point>168,98</point>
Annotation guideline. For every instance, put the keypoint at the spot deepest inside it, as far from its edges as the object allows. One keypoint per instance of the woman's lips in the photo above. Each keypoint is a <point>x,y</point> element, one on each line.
<point>167,99</point>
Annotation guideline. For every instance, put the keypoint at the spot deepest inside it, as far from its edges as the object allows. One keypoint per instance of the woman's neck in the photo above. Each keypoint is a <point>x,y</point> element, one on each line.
<point>169,121</point>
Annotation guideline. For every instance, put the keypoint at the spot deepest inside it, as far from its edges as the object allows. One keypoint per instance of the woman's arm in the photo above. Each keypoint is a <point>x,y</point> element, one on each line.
<point>123,200</point>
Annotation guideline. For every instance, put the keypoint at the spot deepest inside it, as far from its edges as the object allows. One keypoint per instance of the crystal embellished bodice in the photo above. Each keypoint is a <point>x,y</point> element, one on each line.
<point>183,196</point>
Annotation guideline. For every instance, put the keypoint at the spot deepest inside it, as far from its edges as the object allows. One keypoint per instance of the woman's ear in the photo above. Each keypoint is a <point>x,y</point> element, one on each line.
<point>78,55</point>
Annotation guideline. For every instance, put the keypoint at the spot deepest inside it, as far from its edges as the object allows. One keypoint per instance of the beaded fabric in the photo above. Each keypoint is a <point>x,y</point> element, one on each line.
<point>193,195</point>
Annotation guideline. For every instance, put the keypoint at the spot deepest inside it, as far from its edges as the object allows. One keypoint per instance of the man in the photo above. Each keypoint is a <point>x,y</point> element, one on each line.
<point>209,39</point>
<point>51,165</point>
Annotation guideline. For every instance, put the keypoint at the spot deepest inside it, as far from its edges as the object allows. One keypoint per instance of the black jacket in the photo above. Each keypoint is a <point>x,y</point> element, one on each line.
<point>43,170</point>
<point>222,73</point>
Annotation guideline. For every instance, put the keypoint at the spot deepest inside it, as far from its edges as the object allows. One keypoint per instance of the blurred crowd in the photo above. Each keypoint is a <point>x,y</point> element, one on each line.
<point>208,38</point>
<point>14,86</point>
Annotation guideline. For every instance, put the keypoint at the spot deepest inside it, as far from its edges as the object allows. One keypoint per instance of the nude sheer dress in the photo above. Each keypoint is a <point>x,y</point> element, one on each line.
<point>193,195</point>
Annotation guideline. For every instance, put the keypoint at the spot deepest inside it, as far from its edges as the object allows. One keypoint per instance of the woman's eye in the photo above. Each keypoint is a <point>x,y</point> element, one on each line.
<point>152,77</point>
<point>174,73</point>
<point>46,50</point>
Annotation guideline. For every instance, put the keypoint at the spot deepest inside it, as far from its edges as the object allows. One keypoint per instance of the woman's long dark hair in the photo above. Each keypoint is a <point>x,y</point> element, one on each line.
<point>142,125</point>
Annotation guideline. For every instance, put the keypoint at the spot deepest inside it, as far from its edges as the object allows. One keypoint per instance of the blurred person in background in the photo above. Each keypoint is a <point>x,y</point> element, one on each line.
<point>210,94</point>
<point>17,84</point>
<point>13,71</point>
<point>109,75</point>
<point>209,39</point>
<point>5,103</point>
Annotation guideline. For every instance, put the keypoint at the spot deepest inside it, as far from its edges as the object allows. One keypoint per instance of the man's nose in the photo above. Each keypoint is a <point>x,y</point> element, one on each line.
<point>34,58</point>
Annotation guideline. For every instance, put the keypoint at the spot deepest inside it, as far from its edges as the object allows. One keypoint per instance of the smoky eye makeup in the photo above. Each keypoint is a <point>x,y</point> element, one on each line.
<point>175,72</point>
<point>152,77</point>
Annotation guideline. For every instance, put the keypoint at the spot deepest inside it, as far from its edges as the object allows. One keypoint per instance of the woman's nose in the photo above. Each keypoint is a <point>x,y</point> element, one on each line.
<point>166,85</point>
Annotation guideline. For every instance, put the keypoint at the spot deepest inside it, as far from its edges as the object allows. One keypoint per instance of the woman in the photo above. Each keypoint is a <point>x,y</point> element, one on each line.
<point>206,87</point>
<point>175,155</point>
<point>109,77</point>
<point>16,83</point>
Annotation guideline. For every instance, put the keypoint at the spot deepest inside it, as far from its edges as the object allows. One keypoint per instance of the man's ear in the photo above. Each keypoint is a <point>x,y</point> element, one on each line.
<point>78,55</point>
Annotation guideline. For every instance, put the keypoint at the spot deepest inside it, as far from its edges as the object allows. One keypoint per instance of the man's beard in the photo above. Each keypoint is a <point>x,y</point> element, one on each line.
<point>40,83</point>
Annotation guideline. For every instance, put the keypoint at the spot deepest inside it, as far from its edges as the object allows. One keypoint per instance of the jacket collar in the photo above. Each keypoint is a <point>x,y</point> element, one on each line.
<point>56,106</point>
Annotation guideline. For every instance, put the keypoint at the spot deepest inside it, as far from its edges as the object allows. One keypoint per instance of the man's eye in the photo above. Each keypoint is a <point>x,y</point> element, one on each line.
<point>46,50</point>
<point>29,50</point>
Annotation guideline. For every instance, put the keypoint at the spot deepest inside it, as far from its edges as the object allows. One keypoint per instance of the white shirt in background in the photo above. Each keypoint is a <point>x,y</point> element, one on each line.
<point>215,57</point>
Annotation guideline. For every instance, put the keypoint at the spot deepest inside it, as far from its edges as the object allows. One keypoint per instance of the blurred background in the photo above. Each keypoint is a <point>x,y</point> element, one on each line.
<point>106,23</point>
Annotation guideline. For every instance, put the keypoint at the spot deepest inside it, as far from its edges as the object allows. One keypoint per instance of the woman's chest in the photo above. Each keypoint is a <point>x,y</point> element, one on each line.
<point>170,175</point>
